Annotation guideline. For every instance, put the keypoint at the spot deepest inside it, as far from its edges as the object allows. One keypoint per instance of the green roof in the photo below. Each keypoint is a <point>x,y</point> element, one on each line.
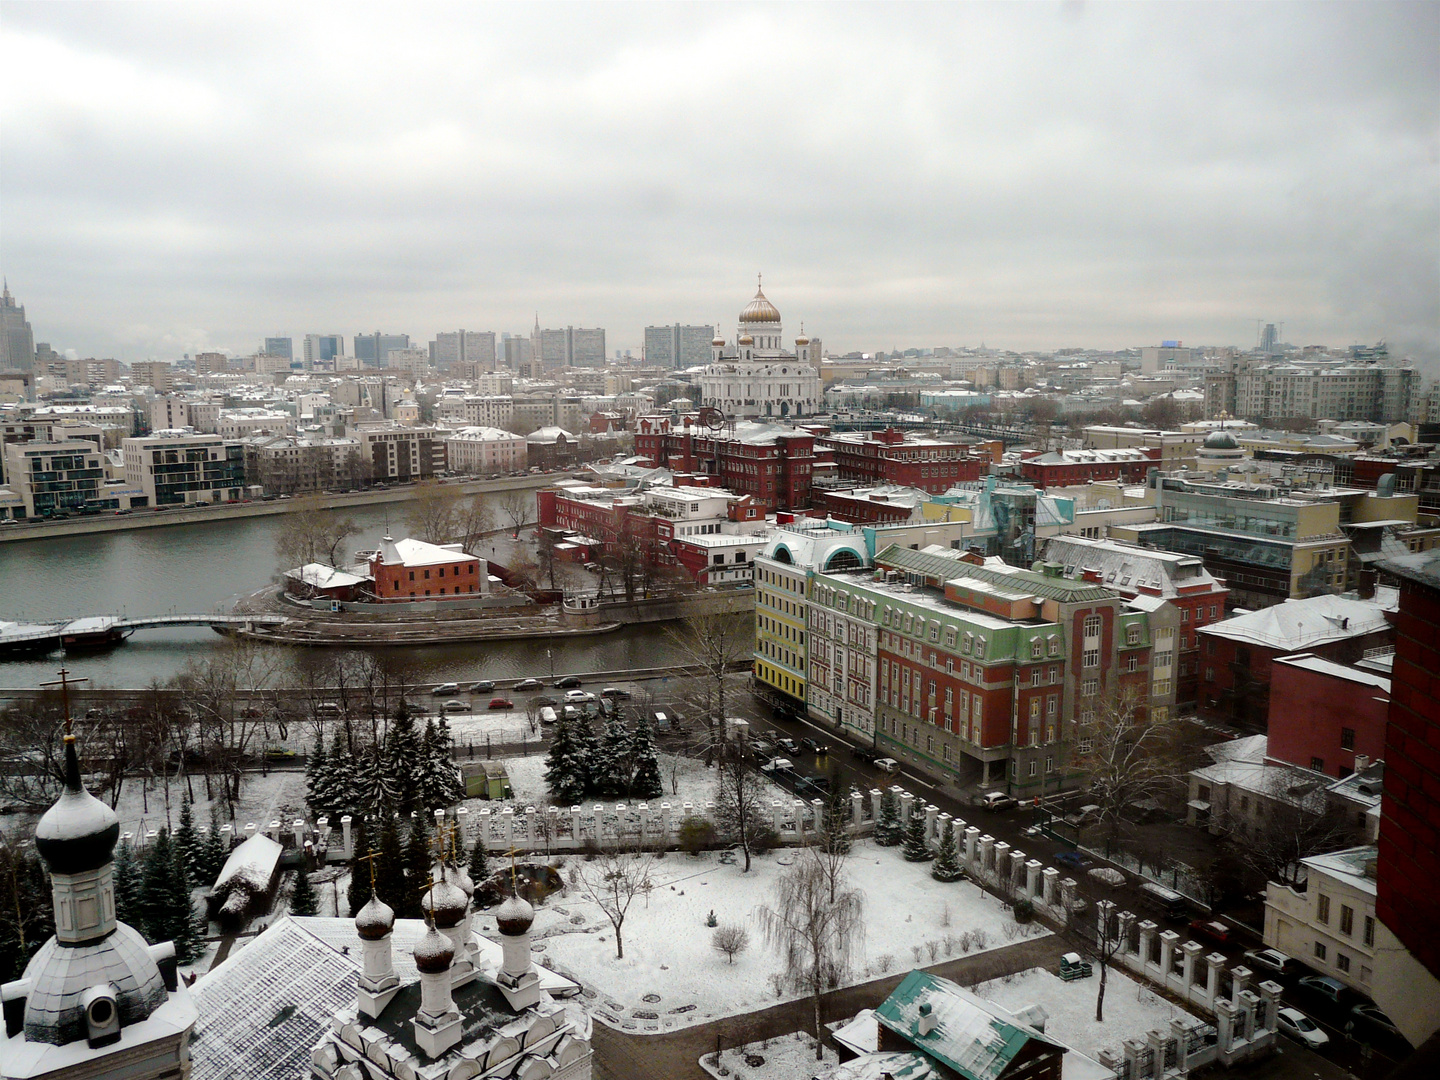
<point>1018,582</point>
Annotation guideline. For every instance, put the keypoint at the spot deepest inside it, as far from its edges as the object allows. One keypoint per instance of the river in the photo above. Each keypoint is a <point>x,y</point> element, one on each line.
<point>197,568</point>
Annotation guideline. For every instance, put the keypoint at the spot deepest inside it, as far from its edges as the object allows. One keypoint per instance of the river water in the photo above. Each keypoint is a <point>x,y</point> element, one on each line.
<point>196,568</point>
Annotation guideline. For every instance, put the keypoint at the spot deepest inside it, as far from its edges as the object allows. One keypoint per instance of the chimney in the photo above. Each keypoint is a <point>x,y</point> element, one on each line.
<point>378,982</point>
<point>926,1023</point>
<point>437,1025</point>
<point>1362,762</point>
<point>1366,587</point>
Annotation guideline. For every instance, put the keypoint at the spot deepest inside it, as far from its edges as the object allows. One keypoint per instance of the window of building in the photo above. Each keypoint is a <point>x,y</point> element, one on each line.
<point>1318,764</point>
<point>1091,626</point>
<point>1133,664</point>
<point>1085,745</point>
<point>1347,920</point>
<point>1319,950</point>
<point>1322,909</point>
<point>1049,764</point>
<point>1209,674</point>
<point>1037,648</point>
<point>1090,687</point>
<point>1132,636</point>
<point>1369,936</point>
<point>1342,960</point>
<point>1035,677</point>
<point>1347,738</point>
<point>1054,646</point>
<point>1091,658</point>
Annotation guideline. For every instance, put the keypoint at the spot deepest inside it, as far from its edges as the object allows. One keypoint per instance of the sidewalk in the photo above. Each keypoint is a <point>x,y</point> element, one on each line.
<point>675,1055</point>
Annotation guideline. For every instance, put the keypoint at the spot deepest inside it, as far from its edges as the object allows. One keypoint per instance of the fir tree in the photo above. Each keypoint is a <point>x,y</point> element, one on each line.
<point>887,826</point>
<point>589,746</point>
<point>402,759</point>
<point>343,780</point>
<point>646,782</point>
<point>186,931</point>
<point>439,784</point>
<point>610,767</point>
<point>834,837</point>
<point>380,789</point>
<point>564,764</point>
<point>947,861</point>
<point>417,868</point>
<point>187,845</point>
<point>359,892</point>
<point>302,894</point>
<point>390,868</point>
<point>444,752</point>
<point>479,868</point>
<point>166,911</point>
<point>213,852</point>
<point>127,885</point>
<point>915,849</point>
<point>319,790</point>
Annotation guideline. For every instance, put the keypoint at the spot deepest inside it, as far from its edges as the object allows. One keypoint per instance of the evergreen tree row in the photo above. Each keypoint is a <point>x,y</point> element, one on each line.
<point>401,868</point>
<point>407,770</point>
<point>615,765</point>
<point>152,894</point>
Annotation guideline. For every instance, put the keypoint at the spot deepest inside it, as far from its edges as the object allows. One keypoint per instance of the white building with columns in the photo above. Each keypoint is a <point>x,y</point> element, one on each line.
<point>757,376</point>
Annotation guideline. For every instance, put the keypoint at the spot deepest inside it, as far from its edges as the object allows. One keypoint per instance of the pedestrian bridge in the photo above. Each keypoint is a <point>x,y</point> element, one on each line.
<point>93,631</point>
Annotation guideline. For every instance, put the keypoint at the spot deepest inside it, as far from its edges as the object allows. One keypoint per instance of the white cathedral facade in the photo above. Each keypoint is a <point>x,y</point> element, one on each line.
<point>756,378</point>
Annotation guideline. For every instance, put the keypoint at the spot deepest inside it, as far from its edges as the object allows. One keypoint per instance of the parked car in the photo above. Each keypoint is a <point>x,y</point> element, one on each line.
<point>484,686</point>
<point>1368,1015</point>
<point>327,708</point>
<point>814,746</point>
<point>762,749</point>
<point>998,800</point>
<point>1271,960</point>
<point>455,705</point>
<point>567,681</point>
<point>1171,904</point>
<point>501,703</point>
<point>1072,860</point>
<point>814,786</point>
<point>887,764</point>
<point>528,684</point>
<point>1086,815</point>
<point>865,753</point>
<point>1217,932</point>
<point>547,715</point>
<point>577,697</point>
<point>790,746</point>
<point>1322,988</point>
<point>1300,1028</point>
<point>614,693</point>
<point>541,702</point>
<point>279,753</point>
<point>445,688</point>
<point>778,765</point>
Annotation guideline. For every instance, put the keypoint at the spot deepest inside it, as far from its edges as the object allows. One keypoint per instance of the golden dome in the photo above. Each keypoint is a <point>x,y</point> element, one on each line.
<point>745,339</point>
<point>759,310</point>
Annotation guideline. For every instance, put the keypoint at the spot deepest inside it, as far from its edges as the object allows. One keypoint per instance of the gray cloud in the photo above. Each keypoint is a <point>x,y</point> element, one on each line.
<point>189,176</point>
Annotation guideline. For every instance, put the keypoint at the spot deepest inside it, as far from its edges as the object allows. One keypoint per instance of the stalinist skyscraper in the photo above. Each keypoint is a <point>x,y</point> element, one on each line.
<point>17,340</point>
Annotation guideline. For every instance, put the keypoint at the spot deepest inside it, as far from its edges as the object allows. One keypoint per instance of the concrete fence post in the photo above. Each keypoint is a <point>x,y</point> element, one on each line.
<point>931,814</point>
<point>1032,878</point>
<point>857,809</point>
<point>346,835</point>
<point>1051,878</point>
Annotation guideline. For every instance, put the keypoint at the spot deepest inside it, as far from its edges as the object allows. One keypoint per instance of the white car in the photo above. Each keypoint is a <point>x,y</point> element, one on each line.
<point>1301,1028</point>
<point>445,688</point>
<point>578,697</point>
<point>887,764</point>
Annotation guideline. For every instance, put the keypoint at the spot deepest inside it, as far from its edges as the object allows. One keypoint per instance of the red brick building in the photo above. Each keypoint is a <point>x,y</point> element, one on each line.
<point>894,457</point>
<point>1063,468</point>
<point>771,464</point>
<point>1324,715</point>
<point>1237,655</point>
<point>887,505</point>
<point>415,570</point>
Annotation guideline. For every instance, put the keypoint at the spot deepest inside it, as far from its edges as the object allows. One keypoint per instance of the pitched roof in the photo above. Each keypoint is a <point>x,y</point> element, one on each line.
<point>1303,624</point>
<point>944,565</point>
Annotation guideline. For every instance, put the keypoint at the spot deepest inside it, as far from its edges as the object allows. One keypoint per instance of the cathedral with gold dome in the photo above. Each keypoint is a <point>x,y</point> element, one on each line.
<point>757,378</point>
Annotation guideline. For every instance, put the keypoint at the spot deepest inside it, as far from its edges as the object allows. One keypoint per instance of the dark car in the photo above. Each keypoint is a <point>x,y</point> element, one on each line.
<point>484,686</point>
<point>614,693</point>
<point>1369,1019</point>
<point>865,754</point>
<point>1072,860</point>
<point>814,786</point>
<point>567,682</point>
<point>790,746</point>
<point>814,746</point>
<point>1323,990</point>
<point>1217,932</point>
<point>528,684</point>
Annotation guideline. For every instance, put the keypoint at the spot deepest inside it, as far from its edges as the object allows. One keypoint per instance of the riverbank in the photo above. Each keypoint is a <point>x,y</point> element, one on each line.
<point>150,519</point>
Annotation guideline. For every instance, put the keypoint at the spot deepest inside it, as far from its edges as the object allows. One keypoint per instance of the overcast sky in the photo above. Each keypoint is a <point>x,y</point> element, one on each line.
<point>182,177</point>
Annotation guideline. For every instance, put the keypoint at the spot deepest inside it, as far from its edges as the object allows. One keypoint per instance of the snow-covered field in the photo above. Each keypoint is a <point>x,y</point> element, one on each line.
<point>1131,1009</point>
<point>501,727</point>
<point>672,976</point>
<point>784,1058</point>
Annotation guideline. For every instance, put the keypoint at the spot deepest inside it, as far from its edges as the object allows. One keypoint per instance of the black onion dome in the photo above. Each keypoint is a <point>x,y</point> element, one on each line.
<point>375,920</point>
<point>514,917</point>
<point>446,903</point>
<point>461,877</point>
<point>434,952</point>
<point>79,832</point>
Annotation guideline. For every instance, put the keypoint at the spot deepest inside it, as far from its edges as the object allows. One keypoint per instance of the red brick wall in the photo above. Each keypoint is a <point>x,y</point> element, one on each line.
<point>1308,711</point>
<point>1408,881</point>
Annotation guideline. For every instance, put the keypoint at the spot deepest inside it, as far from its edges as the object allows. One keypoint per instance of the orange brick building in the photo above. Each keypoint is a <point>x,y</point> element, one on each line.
<point>414,570</point>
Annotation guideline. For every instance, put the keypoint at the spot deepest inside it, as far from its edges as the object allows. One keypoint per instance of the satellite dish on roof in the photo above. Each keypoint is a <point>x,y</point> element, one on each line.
<point>712,418</point>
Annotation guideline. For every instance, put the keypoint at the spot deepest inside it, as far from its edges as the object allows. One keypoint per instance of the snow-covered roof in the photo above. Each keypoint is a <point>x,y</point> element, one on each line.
<point>320,576</point>
<point>410,552</point>
<point>252,863</point>
<point>1304,624</point>
<point>1348,866</point>
<point>1251,748</point>
<point>1335,671</point>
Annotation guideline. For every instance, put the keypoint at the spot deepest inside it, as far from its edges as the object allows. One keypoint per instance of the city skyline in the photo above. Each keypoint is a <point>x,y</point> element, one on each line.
<point>1028,177</point>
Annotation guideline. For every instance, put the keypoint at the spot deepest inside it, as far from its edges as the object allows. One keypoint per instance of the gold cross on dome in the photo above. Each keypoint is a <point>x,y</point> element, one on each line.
<point>369,860</point>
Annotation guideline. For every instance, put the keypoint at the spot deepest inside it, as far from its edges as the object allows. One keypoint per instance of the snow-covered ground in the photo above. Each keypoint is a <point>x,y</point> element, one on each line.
<point>783,1058</point>
<point>1131,1009</point>
<point>501,727</point>
<point>672,976</point>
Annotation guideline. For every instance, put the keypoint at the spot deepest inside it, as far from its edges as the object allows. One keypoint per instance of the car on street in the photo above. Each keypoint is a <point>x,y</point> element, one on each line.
<point>778,765</point>
<point>1072,860</point>
<point>790,746</point>
<point>865,753</point>
<point>578,697</point>
<point>445,688</point>
<point>762,749</point>
<point>1325,990</point>
<point>528,684</point>
<point>484,686</point>
<point>1271,960</point>
<point>814,746</point>
<point>814,786</point>
<point>614,693</point>
<point>501,703</point>
<point>455,705</point>
<point>1300,1028</point>
<point>567,682</point>
<point>998,800</point>
<point>1217,932</point>
<point>1367,1015</point>
<point>887,764</point>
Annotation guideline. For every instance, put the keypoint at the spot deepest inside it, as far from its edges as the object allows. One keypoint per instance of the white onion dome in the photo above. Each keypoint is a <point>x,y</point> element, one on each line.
<point>375,920</point>
<point>760,310</point>
<point>434,952</point>
<point>445,903</point>
<point>78,834</point>
<point>1220,439</point>
<point>514,917</point>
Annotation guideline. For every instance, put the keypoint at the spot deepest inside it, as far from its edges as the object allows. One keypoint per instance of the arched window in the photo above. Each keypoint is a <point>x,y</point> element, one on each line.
<point>844,559</point>
<point>782,555</point>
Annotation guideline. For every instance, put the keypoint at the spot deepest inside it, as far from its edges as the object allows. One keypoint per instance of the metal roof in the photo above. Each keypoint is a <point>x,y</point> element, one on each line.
<point>1020,582</point>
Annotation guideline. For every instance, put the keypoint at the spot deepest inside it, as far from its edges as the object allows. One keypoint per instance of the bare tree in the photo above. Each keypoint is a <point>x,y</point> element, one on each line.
<point>433,511</point>
<point>311,533</point>
<point>833,840</point>
<point>472,521</point>
<point>730,940</point>
<point>739,794</point>
<point>614,880</point>
<point>518,507</point>
<point>715,643</point>
<point>31,741</point>
<point>1126,756</point>
<point>1292,822</point>
<point>815,936</point>
<point>1093,929</point>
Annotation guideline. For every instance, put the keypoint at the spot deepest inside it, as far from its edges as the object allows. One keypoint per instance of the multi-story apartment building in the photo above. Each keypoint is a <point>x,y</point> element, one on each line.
<point>279,346</point>
<point>286,465</point>
<point>572,346</point>
<point>530,412</point>
<point>153,373</point>
<point>321,351</point>
<point>173,468</point>
<point>53,477</point>
<point>390,452</point>
<point>242,423</point>
<point>411,361</point>
<point>373,350</point>
<point>1061,468</point>
<point>450,351</point>
<point>476,410</point>
<point>773,465</point>
<point>678,346</point>
<point>168,413</point>
<point>211,363</point>
<point>1326,388</point>
<point>484,451</point>
<point>893,457</point>
<point>1330,925</point>
<point>1176,448</point>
